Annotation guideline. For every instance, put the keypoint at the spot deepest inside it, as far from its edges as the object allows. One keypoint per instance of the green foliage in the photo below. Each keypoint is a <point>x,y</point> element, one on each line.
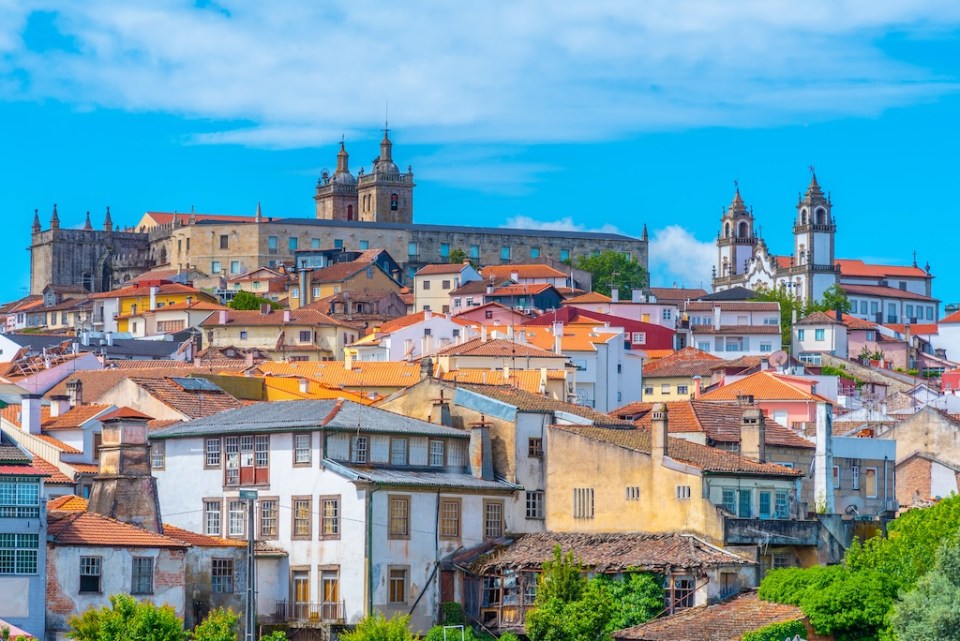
<point>376,627</point>
<point>932,610</point>
<point>127,620</point>
<point>852,608</point>
<point>790,585</point>
<point>452,613</point>
<point>562,578</point>
<point>637,597</point>
<point>611,269</point>
<point>457,255</point>
<point>777,632</point>
<point>276,635</point>
<point>583,619</point>
<point>833,298</point>
<point>509,636</point>
<point>247,300</point>
<point>220,625</point>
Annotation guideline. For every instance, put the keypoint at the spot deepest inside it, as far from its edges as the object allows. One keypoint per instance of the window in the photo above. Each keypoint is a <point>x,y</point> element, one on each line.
<point>211,517</point>
<point>450,518</point>
<point>801,334</point>
<point>683,492</point>
<point>306,336</point>
<point>243,334</point>
<point>444,250</point>
<point>301,449</point>
<point>666,314</point>
<point>399,527</point>
<point>18,554</point>
<point>445,285</point>
<point>855,477</point>
<point>329,517</point>
<point>474,251</point>
<point>214,267</point>
<point>639,338</point>
<point>302,516</point>
<point>648,390</point>
<point>488,313</point>
<point>436,453</point>
<point>221,576</point>
<point>564,255</point>
<point>224,241</point>
<point>535,504</point>
<point>157,455</point>
<point>583,502</point>
<point>703,346</point>
<point>665,388</point>
<point>836,477</point>
<point>19,497</point>
<point>633,493</point>
<point>534,252</point>
<point>535,447</point>
<point>871,335</point>
<point>141,581</point>
<point>929,313</point>
<point>426,285</point>
<point>91,568</point>
<point>236,518</point>
<point>681,596</point>
<point>765,510</point>
<point>412,249</point>
<point>330,593</point>
<point>394,202</point>
<point>505,252</point>
<point>729,500</point>
<point>359,450</point>
<point>819,334</point>
<point>268,518</point>
<point>745,504</point>
<point>272,244</point>
<point>683,389</point>
<point>212,448</point>
<point>292,243</point>
<point>492,519</point>
<point>338,242</point>
<point>766,347</point>
<point>870,482</point>
<point>782,505</point>
<point>398,585</point>
<point>398,451</point>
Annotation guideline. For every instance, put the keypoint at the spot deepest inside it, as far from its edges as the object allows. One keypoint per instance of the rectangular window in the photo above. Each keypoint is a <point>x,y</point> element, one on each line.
<point>412,249</point>
<point>243,334</point>
<point>329,517</point>
<point>632,493</point>
<point>338,243</point>
<point>730,501</point>
<point>272,244</point>
<point>535,447</point>
<point>306,336</point>
<point>91,568</point>
<point>765,510</point>
<point>302,516</point>
<point>782,506</point>
<point>224,241</point>
<point>19,497</point>
<point>564,255</point>
<point>863,307</point>
<point>474,251</point>
<point>929,313</point>
<point>683,492</point>
<point>158,455</point>
<point>211,446</point>
<point>819,334</point>
<point>683,591</point>
<point>445,285</point>
<point>534,252</point>
<point>666,314</point>
<point>211,517</point>
<point>399,517</point>
<point>292,243</point>
<point>398,451</point>
<point>141,581</point>
<point>426,285</point>
<point>330,593</point>
<point>436,453</point>
<point>505,252</point>
<point>870,482</point>
<point>301,449</point>
<point>583,502</point>
<point>398,585</point>
<point>444,250</point>
<point>639,338</point>
<point>18,553</point>
<point>665,388</point>
<point>221,576</point>
<point>363,244</point>
<point>214,267</point>
<point>450,518</point>
<point>836,477</point>
<point>801,334</point>
<point>745,504</point>
<point>236,518</point>
<point>315,243</point>
<point>268,518</point>
<point>492,519</point>
<point>535,504</point>
<point>358,452</point>
<point>682,389</point>
<point>855,477</point>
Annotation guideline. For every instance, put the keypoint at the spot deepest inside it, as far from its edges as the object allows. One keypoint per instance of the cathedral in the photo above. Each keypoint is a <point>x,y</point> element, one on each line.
<point>744,260</point>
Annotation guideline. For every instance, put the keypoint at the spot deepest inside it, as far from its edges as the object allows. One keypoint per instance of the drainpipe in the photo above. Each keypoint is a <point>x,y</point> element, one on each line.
<point>884,483</point>
<point>368,553</point>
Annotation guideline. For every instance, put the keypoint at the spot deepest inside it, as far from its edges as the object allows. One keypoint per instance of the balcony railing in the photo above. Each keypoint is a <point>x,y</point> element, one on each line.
<point>306,614</point>
<point>738,531</point>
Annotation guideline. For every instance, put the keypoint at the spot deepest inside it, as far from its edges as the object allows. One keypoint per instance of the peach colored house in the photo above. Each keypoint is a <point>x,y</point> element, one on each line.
<point>493,314</point>
<point>788,400</point>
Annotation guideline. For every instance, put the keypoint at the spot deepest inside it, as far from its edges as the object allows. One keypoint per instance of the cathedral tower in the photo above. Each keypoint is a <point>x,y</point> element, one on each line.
<point>814,235</point>
<point>336,195</point>
<point>737,240</point>
<point>385,194</point>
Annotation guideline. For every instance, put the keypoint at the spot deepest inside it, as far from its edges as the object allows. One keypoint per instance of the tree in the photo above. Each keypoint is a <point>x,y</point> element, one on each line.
<point>612,269</point>
<point>833,300</point>
<point>932,610</point>
<point>220,625</point>
<point>247,300</point>
<point>375,627</point>
<point>457,255</point>
<point>127,620</point>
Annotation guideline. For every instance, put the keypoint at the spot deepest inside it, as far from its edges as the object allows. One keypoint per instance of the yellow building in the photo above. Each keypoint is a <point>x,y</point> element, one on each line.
<point>147,296</point>
<point>676,377</point>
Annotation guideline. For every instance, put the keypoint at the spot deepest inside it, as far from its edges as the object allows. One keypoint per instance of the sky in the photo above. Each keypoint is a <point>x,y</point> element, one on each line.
<point>606,115</point>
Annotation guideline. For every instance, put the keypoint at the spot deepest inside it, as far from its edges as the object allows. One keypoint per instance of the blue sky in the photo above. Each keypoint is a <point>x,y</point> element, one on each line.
<point>589,116</point>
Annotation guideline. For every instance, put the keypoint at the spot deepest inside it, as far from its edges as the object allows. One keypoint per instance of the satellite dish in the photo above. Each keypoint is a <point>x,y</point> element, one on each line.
<point>778,358</point>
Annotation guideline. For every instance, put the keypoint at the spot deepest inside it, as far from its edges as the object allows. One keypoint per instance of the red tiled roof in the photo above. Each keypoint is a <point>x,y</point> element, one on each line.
<point>201,540</point>
<point>190,403</point>
<point>253,317</point>
<point>72,419</point>
<point>764,386</point>
<point>689,361</point>
<point>89,528</point>
<point>144,291</point>
<point>733,306</point>
<point>920,329</point>
<point>724,621</point>
<point>53,473</point>
<point>534,270</point>
<point>67,503</point>
<point>372,374</point>
<point>589,297</point>
<point>22,470</point>
<point>855,268</point>
<point>496,347</point>
<point>165,217</point>
<point>60,445</point>
<point>441,268</point>
<point>339,272</point>
<point>521,289</point>
<point>677,293</point>
<point>818,318</point>
<point>952,318</point>
<point>124,412</point>
<point>884,292</point>
<point>412,319</point>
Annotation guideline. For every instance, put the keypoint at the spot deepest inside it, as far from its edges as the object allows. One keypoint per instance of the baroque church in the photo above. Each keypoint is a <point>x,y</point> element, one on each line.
<point>744,260</point>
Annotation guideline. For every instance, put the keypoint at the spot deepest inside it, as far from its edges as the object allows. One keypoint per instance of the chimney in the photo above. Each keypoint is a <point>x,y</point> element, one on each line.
<point>823,461</point>
<point>558,337</point>
<point>265,309</point>
<point>304,287</point>
<point>304,386</point>
<point>543,381</point>
<point>510,332</point>
<point>248,358</point>
<point>30,413</point>
<point>59,405</point>
<point>753,435</point>
<point>153,297</point>
<point>426,367</point>
<point>75,392</point>
<point>506,372</point>
<point>515,277</point>
<point>481,454</point>
<point>615,295</point>
<point>697,386</point>
<point>348,360</point>
<point>427,314</point>
<point>124,488</point>
<point>286,316</point>
<point>636,296</point>
<point>716,317</point>
<point>483,333</point>
<point>222,317</point>
<point>658,434</point>
<point>109,339</point>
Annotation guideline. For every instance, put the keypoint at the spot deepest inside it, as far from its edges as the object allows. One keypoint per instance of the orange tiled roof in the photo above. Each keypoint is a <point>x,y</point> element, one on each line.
<point>339,272</point>
<point>97,383</point>
<point>165,217</point>
<point>576,337</point>
<point>54,475</point>
<point>534,270</point>
<point>733,306</point>
<point>763,386</point>
<point>920,329</point>
<point>498,347</point>
<point>413,319</point>
<point>589,297</point>
<point>85,468</point>
<point>253,317</point>
<point>72,419</point>
<point>441,268</point>
<point>398,374</point>
<point>884,292</point>
<point>190,403</point>
<point>201,540</point>
<point>526,379</point>
<point>952,318</point>
<point>89,528</point>
<point>857,268</point>
<point>67,503</point>
<point>689,361</point>
<point>144,291</point>
<point>521,289</point>
<point>57,443</point>
<point>677,293</point>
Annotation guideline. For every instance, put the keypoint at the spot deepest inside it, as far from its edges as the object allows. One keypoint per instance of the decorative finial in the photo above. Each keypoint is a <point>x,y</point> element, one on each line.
<point>259,215</point>
<point>36,221</point>
<point>86,225</point>
<point>107,221</point>
<point>54,219</point>
<point>813,172</point>
<point>736,185</point>
<point>914,257</point>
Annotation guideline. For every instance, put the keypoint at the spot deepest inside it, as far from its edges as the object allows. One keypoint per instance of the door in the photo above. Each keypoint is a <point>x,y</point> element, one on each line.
<point>301,595</point>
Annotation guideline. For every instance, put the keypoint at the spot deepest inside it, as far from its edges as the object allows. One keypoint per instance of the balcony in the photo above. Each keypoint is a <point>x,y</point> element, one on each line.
<point>770,532</point>
<point>303,614</point>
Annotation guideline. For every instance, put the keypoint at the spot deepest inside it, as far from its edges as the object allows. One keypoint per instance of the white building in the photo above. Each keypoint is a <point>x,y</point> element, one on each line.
<point>733,329</point>
<point>365,502</point>
<point>432,284</point>
<point>411,337</point>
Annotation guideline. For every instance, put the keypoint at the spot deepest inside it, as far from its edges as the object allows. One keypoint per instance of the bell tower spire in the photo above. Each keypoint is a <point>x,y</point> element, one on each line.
<point>736,241</point>
<point>36,222</point>
<point>814,235</point>
<point>54,218</point>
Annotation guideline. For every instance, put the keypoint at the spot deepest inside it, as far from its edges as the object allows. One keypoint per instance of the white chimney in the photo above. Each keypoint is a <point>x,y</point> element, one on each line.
<point>515,277</point>
<point>109,339</point>
<point>348,360</point>
<point>222,317</point>
<point>615,295</point>
<point>823,461</point>
<point>636,296</point>
<point>30,413</point>
<point>483,333</point>
<point>304,386</point>
<point>59,405</point>
<point>153,297</point>
<point>558,337</point>
<point>286,316</point>
<point>716,317</point>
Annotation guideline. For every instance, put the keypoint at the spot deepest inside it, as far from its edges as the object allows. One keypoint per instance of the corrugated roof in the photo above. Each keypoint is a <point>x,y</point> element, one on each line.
<point>412,477</point>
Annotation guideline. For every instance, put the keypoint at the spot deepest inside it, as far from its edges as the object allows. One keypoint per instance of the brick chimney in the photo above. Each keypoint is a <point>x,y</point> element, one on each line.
<point>481,451</point>
<point>753,435</point>
<point>124,489</point>
<point>75,391</point>
<point>658,433</point>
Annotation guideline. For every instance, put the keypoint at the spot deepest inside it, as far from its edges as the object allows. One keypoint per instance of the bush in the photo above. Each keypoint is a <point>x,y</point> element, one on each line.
<point>127,620</point>
<point>791,585</point>
<point>376,627</point>
<point>220,625</point>
<point>778,632</point>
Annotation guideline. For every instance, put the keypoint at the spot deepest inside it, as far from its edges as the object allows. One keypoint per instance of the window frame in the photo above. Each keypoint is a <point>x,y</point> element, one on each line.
<point>535,447</point>
<point>448,533</point>
<point>333,523</point>
<point>489,506</point>
<point>137,574</point>
<point>534,502</point>
<point>223,568</point>
<point>298,449</point>
<point>231,514</point>
<point>88,562</point>
<point>398,575</point>
<point>207,513</point>
<point>584,506</point>
<point>266,534</point>
<point>398,524</point>
<point>158,455</point>
<point>299,519</point>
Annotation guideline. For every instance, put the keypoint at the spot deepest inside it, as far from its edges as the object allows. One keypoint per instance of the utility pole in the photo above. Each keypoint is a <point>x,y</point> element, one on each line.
<point>250,618</point>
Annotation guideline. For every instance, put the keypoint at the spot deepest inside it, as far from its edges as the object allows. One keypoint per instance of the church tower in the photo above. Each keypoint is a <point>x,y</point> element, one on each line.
<point>814,235</point>
<point>385,194</point>
<point>736,242</point>
<point>336,195</point>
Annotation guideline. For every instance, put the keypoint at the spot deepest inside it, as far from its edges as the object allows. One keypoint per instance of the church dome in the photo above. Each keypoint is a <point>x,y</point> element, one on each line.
<point>386,167</point>
<point>344,178</point>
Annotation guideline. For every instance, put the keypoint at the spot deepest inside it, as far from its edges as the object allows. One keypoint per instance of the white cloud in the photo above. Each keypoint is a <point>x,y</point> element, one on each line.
<point>676,256</point>
<point>561,224</point>
<point>301,73</point>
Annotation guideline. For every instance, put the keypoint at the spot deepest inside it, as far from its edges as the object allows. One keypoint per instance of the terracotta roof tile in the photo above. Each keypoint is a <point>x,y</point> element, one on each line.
<point>884,292</point>
<point>67,503</point>
<point>471,287</point>
<point>166,217</point>
<point>97,383</point>
<point>124,412</point>
<point>60,445</point>
<point>69,420</point>
<point>89,528</point>
<point>298,318</point>
<point>725,621</point>
<point>857,268</point>
<point>952,318</point>
<point>521,289</point>
<point>398,374</point>
<point>440,269</point>
<point>677,293</point>
<point>763,386</point>
<point>733,306</point>
<point>538,403</point>
<point>339,272</point>
<point>412,319</point>
<point>201,540</point>
<point>708,459</point>
<point>588,298</point>
<point>533,270</point>
<point>689,361</point>
<point>192,403</point>
<point>144,291</point>
<point>919,329</point>
<point>819,318</point>
<point>525,379</point>
<point>54,475</point>
<point>498,347</point>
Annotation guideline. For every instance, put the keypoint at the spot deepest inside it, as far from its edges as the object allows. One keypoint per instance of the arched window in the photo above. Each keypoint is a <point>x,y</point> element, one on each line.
<point>394,202</point>
<point>726,230</point>
<point>803,216</point>
<point>821,215</point>
<point>802,254</point>
<point>744,230</point>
